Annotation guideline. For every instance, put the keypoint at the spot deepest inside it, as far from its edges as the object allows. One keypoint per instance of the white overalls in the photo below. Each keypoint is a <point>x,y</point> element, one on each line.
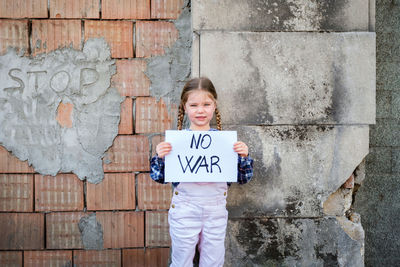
<point>198,215</point>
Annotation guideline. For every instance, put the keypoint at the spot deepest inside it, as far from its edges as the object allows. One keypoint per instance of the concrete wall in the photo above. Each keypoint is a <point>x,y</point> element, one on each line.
<point>297,80</point>
<point>378,197</point>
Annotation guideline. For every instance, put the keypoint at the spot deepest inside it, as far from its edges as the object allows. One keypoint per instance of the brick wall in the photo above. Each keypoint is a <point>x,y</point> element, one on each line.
<point>39,215</point>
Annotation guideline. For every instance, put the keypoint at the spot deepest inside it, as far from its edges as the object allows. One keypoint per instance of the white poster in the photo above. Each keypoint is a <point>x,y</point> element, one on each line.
<point>201,156</point>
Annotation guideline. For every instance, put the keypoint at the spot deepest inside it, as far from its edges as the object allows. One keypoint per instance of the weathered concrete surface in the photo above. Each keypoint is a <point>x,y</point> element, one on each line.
<point>296,168</point>
<point>378,199</point>
<point>281,15</point>
<point>291,78</point>
<point>290,242</point>
<point>30,93</point>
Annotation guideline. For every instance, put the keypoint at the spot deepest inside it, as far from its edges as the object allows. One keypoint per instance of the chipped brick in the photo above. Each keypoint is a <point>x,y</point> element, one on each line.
<point>152,195</point>
<point>128,153</point>
<point>130,79</point>
<point>153,36</point>
<point>118,34</point>
<point>74,9</point>
<point>21,231</point>
<point>115,192</point>
<point>122,229</point>
<point>48,35</point>
<point>16,192</point>
<point>61,193</point>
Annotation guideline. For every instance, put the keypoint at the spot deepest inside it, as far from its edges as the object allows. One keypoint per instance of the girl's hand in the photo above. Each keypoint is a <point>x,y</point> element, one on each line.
<point>163,149</point>
<point>241,148</point>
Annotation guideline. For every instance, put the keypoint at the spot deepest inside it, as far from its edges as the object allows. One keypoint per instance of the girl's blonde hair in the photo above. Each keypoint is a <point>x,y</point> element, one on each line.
<point>201,83</point>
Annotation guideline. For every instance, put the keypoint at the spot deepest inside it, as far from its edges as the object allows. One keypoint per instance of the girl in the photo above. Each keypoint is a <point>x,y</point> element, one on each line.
<point>197,214</point>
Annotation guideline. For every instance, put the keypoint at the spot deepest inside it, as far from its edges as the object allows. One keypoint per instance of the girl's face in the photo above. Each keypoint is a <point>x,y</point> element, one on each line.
<point>200,108</point>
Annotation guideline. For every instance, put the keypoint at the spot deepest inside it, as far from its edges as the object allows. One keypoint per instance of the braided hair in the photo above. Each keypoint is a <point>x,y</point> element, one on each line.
<point>201,83</point>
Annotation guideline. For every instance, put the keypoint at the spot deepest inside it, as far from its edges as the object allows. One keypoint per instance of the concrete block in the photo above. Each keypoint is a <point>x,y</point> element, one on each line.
<point>386,132</point>
<point>378,160</point>
<point>296,168</point>
<point>387,19</point>
<point>387,48</point>
<point>283,15</point>
<point>291,78</point>
<point>372,19</point>
<point>395,104</point>
<point>383,103</point>
<point>388,76</point>
<point>396,160</point>
<point>290,242</point>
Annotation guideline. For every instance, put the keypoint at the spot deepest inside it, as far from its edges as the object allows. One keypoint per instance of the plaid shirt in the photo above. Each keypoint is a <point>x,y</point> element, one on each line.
<point>245,169</point>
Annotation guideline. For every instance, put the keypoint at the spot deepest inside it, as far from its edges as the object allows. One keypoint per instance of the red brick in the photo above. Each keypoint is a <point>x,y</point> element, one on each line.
<point>157,229</point>
<point>74,9</point>
<point>16,192</point>
<point>155,140</point>
<point>94,258</point>
<point>13,33</point>
<point>349,184</point>
<point>152,116</point>
<point>62,231</point>
<point>153,36</point>
<point>126,122</point>
<point>166,9</point>
<point>130,79</point>
<point>125,9</point>
<point>11,164</point>
<point>64,114</point>
<point>152,195</point>
<point>118,34</point>
<point>10,258</point>
<point>48,35</point>
<point>145,258</point>
<point>47,258</point>
<point>128,153</point>
<point>122,229</point>
<point>23,9</point>
<point>61,193</point>
<point>115,192</point>
<point>21,231</point>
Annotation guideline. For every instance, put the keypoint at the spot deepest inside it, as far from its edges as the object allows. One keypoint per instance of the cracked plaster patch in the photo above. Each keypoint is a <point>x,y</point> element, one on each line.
<point>58,111</point>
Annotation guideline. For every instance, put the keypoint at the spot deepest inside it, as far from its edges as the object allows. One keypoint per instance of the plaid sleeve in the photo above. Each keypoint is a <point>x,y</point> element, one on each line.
<point>157,169</point>
<point>245,169</point>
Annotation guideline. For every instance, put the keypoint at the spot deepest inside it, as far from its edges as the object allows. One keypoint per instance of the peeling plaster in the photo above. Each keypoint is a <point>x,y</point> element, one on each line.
<point>169,72</point>
<point>30,94</point>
